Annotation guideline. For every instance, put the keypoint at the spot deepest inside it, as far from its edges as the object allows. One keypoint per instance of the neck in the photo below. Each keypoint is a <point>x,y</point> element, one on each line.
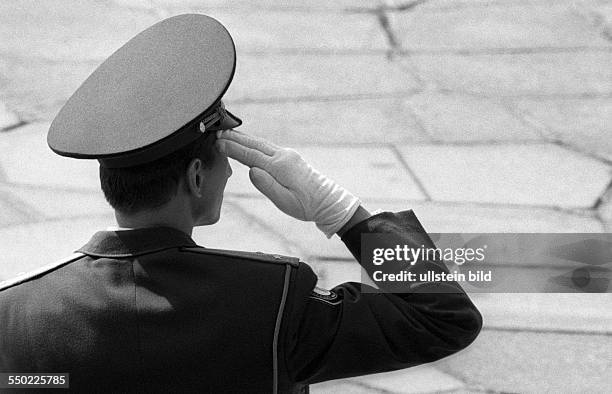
<point>170,215</point>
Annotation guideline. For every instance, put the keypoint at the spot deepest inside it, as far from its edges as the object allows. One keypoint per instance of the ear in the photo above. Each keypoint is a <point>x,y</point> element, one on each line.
<point>195,177</point>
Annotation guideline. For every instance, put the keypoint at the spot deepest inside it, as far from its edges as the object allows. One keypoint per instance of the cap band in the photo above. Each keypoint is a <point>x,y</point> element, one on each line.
<point>186,135</point>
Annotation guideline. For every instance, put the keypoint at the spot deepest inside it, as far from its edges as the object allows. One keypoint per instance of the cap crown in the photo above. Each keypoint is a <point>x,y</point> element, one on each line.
<point>150,88</point>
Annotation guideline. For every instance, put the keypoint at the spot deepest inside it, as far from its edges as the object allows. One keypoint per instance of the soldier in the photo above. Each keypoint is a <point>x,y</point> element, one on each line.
<point>142,308</point>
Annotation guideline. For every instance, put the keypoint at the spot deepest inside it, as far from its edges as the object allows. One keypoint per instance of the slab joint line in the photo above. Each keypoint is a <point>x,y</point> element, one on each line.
<point>414,176</point>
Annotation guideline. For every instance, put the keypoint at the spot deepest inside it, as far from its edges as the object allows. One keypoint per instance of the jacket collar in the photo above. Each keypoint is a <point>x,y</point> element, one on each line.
<point>126,243</point>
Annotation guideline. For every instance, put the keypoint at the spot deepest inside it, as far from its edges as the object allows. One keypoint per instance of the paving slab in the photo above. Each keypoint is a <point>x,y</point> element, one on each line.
<point>363,171</point>
<point>93,30</point>
<point>341,386</point>
<point>67,30</point>
<point>474,218</point>
<point>535,74</point>
<point>334,264</point>
<point>54,202</point>
<point>456,117</point>
<point>55,237</point>
<point>7,118</point>
<point>583,123</point>
<point>258,30</point>
<point>191,5</point>
<point>439,217</point>
<point>538,174</point>
<point>312,246</point>
<point>28,246</point>
<point>26,159</point>
<point>579,313</point>
<point>374,122</point>
<point>240,230</point>
<point>10,211</point>
<point>451,5</point>
<point>509,27</point>
<point>421,379</point>
<point>567,312</point>
<point>36,89</point>
<point>526,362</point>
<point>605,209</point>
<point>303,237</point>
<point>598,15</point>
<point>271,76</point>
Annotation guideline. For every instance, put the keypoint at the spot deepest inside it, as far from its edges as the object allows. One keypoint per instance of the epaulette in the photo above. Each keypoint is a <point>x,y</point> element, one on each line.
<point>24,277</point>
<point>257,256</point>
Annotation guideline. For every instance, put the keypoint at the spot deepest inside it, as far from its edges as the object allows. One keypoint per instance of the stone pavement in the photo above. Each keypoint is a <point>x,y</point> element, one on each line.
<point>481,115</point>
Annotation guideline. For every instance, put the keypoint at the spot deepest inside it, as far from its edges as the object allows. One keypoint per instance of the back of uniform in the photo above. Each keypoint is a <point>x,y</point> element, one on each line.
<point>148,311</point>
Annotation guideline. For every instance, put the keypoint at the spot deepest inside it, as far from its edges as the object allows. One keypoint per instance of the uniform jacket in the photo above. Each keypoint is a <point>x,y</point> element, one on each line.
<point>148,310</point>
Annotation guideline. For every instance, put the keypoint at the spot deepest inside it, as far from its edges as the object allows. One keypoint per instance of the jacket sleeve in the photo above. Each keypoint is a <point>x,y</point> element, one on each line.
<point>356,329</point>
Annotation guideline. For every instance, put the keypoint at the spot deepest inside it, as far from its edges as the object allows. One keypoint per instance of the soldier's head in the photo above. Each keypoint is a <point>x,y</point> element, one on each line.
<point>149,115</point>
<point>193,176</point>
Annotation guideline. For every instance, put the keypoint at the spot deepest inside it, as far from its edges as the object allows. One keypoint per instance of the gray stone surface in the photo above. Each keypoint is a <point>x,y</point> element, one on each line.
<point>304,238</point>
<point>536,74</point>
<point>462,118</point>
<point>482,218</point>
<point>452,5</point>
<point>231,230</point>
<point>48,201</point>
<point>12,211</point>
<point>261,30</point>
<point>26,159</point>
<point>374,122</point>
<point>421,379</point>
<point>539,174</point>
<point>8,118</point>
<point>527,362</point>
<point>316,75</point>
<point>192,5</point>
<point>578,313</point>
<point>32,245</point>
<point>598,15</point>
<point>341,386</point>
<point>312,246</point>
<point>37,88</point>
<point>582,123</point>
<point>66,29</point>
<point>510,27</point>
<point>364,171</point>
<point>273,76</point>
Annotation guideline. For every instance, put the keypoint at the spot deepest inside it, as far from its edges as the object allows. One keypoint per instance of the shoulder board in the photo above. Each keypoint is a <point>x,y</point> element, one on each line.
<point>257,256</point>
<point>24,277</point>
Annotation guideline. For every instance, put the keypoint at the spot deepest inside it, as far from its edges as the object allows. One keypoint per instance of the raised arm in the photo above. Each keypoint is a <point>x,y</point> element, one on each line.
<point>354,329</point>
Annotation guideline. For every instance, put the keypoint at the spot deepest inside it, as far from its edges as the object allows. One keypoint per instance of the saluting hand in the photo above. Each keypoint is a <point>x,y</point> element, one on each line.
<point>292,184</point>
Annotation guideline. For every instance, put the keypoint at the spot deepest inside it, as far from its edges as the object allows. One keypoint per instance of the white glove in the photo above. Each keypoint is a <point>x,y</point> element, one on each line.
<point>290,182</point>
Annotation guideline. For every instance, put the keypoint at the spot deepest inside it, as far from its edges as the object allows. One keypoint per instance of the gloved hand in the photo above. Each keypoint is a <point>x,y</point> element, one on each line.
<point>289,182</point>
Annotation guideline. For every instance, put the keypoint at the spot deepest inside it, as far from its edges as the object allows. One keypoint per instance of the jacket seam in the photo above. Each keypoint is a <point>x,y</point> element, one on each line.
<point>139,361</point>
<point>131,254</point>
<point>278,260</point>
<point>279,319</point>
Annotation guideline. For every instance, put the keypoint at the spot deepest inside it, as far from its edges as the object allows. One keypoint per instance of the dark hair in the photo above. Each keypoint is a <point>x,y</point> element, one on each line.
<point>153,184</point>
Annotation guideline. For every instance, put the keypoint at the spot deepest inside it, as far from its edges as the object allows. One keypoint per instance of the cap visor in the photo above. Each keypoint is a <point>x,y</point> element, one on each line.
<point>229,121</point>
